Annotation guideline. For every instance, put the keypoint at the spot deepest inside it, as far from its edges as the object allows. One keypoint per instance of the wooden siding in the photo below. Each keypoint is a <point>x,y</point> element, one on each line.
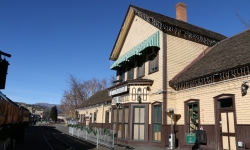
<point>180,53</point>
<point>206,96</point>
<point>138,32</point>
<point>100,117</point>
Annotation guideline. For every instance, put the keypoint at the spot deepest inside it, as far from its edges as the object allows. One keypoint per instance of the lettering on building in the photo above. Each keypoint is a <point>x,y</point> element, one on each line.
<point>177,31</point>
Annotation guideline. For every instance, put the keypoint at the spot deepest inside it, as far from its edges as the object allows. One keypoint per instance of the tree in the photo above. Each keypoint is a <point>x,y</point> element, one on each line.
<point>79,91</point>
<point>53,113</point>
<point>247,25</point>
<point>111,80</point>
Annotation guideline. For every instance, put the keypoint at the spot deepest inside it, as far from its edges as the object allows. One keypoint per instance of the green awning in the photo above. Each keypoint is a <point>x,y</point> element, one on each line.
<point>153,40</point>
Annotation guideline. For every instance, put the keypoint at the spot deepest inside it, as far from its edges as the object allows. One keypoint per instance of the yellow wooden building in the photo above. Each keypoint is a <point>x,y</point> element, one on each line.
<point>165,64</point>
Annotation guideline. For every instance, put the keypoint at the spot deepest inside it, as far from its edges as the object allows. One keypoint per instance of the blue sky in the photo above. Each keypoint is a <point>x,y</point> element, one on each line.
<point>51,39</point>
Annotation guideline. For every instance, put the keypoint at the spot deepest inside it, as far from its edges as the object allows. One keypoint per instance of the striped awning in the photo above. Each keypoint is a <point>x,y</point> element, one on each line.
<point>153,40</point>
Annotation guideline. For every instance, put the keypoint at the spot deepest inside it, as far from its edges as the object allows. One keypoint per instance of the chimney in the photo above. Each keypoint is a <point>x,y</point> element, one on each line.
<point>181,11</point>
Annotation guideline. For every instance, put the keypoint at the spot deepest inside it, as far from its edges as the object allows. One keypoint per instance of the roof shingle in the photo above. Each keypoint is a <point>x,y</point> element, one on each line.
<point>99,97</point>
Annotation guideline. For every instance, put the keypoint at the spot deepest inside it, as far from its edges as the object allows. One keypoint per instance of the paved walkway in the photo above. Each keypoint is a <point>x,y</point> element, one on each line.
<point>63,128</point>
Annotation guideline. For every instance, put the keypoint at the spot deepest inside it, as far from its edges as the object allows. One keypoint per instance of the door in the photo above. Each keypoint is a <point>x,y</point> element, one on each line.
<point>227,130</point>
<point>226,121</point>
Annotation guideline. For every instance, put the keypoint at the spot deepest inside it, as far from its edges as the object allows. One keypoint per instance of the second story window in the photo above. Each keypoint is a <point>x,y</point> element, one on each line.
<point>153,62</point>
<point>130,71</point>
<point>121,75</point>
<point>141,66</point>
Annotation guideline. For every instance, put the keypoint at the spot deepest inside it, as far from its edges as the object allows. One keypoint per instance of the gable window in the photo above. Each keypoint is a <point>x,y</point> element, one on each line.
<point>141,66</point>
<point>192,116</point>
<point>130,71</point>
<point>153,62</point>
<point>157,122</point>
<point>107,116</point>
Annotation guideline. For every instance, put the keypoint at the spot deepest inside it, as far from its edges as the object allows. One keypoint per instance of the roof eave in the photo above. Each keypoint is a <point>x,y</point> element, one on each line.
<point>122,34</point>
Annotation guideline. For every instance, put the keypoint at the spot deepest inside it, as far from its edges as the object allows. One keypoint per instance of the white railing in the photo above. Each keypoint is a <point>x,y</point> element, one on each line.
<point>42,122</point>
<point>97,136</point>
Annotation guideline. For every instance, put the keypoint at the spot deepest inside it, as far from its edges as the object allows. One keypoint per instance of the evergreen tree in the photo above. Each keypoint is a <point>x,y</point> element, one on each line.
<point>53,113</point>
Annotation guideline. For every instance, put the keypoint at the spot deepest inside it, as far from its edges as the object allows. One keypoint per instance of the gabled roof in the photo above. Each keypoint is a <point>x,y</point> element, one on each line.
<point>228,54</point>
<point>182,24</point>
<point>99,97</point>
<point>164,20</point>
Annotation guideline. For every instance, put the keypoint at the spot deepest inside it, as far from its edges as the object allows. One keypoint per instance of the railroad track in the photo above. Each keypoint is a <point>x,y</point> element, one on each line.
<point>53,141</point>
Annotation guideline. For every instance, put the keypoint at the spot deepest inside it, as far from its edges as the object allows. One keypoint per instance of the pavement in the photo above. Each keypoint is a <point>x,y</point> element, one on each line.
<point>63,128</point>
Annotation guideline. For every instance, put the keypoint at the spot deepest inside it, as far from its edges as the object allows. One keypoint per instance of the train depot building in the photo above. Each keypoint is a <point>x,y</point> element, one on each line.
<point>167,65</point>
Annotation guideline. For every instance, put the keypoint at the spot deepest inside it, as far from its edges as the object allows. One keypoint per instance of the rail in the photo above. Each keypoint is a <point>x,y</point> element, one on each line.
<point>97,136</point>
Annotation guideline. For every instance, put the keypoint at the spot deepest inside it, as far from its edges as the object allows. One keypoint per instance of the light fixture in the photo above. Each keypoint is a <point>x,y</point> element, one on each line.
<point>119,105</point>
<point>139,95</point>
<point>148,88</point>
<point>244,88</point>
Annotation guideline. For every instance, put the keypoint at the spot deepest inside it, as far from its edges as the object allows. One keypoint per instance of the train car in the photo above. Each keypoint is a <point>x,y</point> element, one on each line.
<point>13,117</point>
<point>25,115</point>
<point>12,112</point>
<point>3,108</point>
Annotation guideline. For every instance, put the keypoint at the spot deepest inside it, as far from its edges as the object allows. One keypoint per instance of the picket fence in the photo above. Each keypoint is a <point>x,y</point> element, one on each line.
<point>96,136</point>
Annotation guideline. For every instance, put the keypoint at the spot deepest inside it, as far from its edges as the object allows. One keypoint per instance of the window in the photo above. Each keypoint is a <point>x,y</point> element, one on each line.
<point>157,122</point>
<point>121,75</point>
<point>192,116</point>
<point>125,124</point>
<point>114,120</point>
<point>95,117</point>
<point>120,122</point>
<point>130,71</point>
<point>107,116</point>
<point>153,62</point>
<point>138,123</point>
<point>225,103</point>
<point>119,131</point>
<point>90,118</point>
<point>141,66</point>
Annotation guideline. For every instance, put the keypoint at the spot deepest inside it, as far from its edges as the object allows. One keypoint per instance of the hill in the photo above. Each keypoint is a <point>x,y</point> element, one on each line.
<point>40,106</point>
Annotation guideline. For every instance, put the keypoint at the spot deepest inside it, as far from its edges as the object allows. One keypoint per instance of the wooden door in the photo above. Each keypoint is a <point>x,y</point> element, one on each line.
<point>227,130</point>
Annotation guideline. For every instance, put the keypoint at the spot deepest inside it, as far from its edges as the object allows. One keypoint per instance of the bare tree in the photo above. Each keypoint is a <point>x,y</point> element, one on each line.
<point>78,92</point>
<point>247,25</point>
<point>111,80</point>
<point>102,84</point>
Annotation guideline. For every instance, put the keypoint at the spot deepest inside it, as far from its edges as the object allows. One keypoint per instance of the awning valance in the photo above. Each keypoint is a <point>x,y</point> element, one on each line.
<point>153,40</point>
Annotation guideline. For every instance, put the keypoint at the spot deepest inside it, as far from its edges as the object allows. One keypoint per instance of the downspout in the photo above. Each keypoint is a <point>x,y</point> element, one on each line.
<point>164,94</point>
